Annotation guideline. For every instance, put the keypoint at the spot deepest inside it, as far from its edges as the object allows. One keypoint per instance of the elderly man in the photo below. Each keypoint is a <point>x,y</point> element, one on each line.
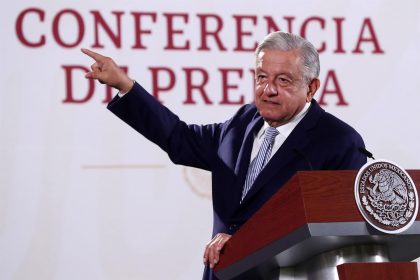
<point>256,151</point>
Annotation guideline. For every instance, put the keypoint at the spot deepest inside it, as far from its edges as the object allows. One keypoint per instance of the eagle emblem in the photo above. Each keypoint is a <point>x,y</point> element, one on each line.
<point>386,196</point>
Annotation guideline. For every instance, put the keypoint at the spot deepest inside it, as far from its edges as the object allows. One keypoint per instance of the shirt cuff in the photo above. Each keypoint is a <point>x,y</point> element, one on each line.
<point>122,93</point>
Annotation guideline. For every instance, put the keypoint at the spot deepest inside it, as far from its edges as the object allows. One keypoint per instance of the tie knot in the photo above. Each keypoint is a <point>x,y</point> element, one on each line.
<point>271,133</point>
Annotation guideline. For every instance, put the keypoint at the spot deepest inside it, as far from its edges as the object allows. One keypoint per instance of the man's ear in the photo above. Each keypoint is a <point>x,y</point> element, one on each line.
<point>312,88</point>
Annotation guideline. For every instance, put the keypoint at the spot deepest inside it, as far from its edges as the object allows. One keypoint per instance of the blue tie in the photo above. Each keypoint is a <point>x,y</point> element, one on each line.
<point>260,160</point>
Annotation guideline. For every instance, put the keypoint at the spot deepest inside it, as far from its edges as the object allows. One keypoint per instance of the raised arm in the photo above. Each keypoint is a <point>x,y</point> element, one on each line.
<point>192,145</point>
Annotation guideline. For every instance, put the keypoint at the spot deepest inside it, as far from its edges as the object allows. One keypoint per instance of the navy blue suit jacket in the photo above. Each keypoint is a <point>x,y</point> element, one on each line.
<point>320,141</point>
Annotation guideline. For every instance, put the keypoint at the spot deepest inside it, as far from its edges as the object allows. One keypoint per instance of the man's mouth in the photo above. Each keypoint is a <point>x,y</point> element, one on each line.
<point>270,102</point>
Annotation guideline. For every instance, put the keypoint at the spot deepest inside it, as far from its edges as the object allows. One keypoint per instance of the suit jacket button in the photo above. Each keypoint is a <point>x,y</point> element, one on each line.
<point>233,227</point>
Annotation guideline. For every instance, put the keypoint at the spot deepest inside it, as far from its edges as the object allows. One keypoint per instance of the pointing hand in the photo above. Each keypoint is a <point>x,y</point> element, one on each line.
<point>106,71</point>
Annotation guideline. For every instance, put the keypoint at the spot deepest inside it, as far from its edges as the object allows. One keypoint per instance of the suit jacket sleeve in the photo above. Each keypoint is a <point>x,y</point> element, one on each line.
<point>192,145</point>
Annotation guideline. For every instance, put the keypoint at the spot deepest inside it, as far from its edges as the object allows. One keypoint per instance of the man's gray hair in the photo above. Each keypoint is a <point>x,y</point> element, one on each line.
<point>286,42</point>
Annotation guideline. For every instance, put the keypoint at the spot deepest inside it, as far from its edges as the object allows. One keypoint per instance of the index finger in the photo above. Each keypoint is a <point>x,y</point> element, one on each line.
<point>92,54</point>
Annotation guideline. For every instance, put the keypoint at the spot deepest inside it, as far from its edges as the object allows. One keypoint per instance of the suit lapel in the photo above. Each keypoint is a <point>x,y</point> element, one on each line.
<point>298,139</point>
<point>244,155</point>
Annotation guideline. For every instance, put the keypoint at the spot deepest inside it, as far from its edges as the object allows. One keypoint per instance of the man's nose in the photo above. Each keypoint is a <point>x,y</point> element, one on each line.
<point>270,89</point>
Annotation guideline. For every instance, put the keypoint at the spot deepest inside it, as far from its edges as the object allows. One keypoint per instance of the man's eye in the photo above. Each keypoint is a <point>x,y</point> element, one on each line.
<point>283,80</point>
<point>261,77</point>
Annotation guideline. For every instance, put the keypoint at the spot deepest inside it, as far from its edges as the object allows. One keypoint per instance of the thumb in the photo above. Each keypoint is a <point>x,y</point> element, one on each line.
<point>93,75</point>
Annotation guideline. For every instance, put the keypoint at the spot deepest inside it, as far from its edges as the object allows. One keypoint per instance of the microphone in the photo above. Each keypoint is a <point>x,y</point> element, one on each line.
<point>302,155</point>
<point>366,152</point>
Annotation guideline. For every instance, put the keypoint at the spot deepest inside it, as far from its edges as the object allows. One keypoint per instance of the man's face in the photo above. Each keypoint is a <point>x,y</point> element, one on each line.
<point>280,90</point>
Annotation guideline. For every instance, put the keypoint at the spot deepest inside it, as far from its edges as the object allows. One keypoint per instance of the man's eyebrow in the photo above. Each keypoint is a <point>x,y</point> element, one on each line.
<point>285,74</point>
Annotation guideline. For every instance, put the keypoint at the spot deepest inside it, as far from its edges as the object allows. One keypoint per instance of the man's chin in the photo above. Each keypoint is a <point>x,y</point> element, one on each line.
<point>269,116</point>
<point>274,120</point>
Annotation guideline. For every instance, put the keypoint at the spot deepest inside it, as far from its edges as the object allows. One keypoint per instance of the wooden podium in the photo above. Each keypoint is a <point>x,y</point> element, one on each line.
<point>312,225</point>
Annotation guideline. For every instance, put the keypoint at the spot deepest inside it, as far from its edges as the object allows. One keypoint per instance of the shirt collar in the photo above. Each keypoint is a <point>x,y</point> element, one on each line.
<point>287,128</point>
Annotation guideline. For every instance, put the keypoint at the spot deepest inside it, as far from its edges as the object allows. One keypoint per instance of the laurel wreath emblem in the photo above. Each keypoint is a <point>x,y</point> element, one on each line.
<point>389,201</point>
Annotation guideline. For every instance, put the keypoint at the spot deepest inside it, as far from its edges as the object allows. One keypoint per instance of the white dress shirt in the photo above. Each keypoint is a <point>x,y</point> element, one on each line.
<point>284,132</point>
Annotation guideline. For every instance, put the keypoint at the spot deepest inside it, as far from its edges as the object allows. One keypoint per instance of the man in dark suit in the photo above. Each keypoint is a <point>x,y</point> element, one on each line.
<point>255,152</point>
